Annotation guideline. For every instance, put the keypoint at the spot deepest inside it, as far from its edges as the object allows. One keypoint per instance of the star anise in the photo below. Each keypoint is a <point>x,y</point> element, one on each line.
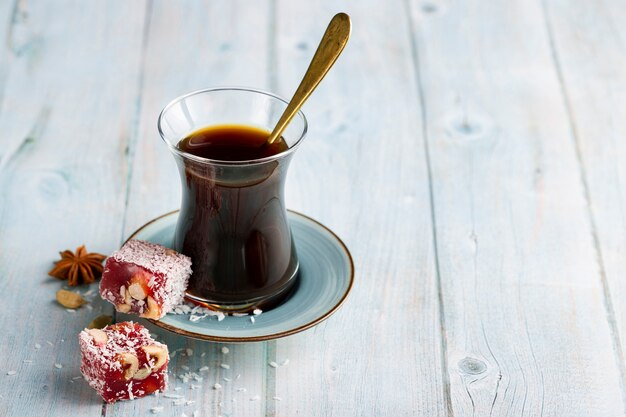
<point>78,268</point>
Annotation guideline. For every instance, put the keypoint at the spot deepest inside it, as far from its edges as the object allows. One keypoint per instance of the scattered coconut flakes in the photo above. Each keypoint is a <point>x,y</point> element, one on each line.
<point>203,353</point>
<point>130,390</point>
<point>172,354</point>
<point>185,367</point>
<point>277,398</point>
<point>189,351</point>
<point>196,386</point>
<point>285,362</point>
<point>172,396</point>
<point>237,377</point>
<point>252,320</point>
<point>255,398</point>
<point>224,365</point>
<point>239,314</point>
<point>197,312</point>
<point>89,307</point>
<point>69,310</point>
<point>217,385</point>
<point>198,378</point>
<point>273,364</point>
<point>37,346</point>
<point>204,368</point>
<point>177,389</point>
<point>227,379</point>
<point>183,415</point>
<point>27,361</point>
<point>155,410</point>
<point>257,311</point>
<point>225,350</point>
<point>189,402</point>
<point>241,390</point>
<point>77,377</point>
<point>58,365</point>
<point>180,401</point>
<point>50,343</point>
<point>11,372</point>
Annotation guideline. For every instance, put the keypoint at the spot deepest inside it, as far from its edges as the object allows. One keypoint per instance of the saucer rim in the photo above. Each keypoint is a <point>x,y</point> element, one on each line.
<point>272,336</point>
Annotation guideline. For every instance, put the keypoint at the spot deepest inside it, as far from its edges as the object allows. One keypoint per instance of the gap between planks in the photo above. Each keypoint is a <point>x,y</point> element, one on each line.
<point>608,303</point>
<point>445,377</point>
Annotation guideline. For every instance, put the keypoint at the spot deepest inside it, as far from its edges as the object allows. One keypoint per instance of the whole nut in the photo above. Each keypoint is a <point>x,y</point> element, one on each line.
<point>69,299</point>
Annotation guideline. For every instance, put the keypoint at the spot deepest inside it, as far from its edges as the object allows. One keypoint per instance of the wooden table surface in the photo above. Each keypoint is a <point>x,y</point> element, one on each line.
<point>471,154</point>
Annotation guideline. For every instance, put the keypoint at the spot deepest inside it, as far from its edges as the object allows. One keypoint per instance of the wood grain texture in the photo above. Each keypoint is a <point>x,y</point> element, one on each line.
<point>467,152</point>
<point>587,42</point>
<point>65,117</point>
<point>193,45</point>
<point>362,172</point>
<point>525,321</point>
<point>9,12</point>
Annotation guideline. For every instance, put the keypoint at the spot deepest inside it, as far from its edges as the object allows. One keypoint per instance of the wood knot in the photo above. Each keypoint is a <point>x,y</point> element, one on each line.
<point>472,366</point>
<point>53,185</point>
<point>429,8</point>
<point>468,128</point>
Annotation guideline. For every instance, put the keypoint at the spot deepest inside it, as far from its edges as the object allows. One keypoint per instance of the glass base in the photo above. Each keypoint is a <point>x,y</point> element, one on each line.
<point>264,303</point>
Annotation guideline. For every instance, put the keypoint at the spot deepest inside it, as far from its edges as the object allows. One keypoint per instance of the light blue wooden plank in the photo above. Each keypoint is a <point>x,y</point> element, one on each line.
<point>193,45</point>
<point>588,49</point>
<point>10,13</point>
<point>65,118</point>
<point>362,172</point>
<point>525,323</point>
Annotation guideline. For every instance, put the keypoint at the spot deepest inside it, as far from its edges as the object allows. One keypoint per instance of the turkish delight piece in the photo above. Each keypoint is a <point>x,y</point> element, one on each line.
<point>122,361</point>
<point>145,279</point>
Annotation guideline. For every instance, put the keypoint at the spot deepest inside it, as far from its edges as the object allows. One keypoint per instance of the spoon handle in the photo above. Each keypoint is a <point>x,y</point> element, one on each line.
<point>329,49</point>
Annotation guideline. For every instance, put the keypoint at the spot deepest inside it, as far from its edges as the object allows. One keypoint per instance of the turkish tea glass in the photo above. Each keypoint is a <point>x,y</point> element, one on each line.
<point>233,222</point>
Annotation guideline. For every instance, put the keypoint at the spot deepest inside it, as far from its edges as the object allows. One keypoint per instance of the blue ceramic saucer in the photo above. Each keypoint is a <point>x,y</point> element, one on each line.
<point>326,276</point>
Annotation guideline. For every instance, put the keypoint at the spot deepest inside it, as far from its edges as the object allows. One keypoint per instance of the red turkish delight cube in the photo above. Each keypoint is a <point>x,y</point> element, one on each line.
<point>145,279</point>
<point>122,361</point>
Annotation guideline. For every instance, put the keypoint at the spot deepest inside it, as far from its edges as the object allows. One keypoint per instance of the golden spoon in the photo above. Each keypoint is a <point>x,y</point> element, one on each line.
<point>334,40</point>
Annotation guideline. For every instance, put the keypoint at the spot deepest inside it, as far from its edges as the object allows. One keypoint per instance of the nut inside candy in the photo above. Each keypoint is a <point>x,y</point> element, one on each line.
<point>143,373</point>
<point>130,364</point>
<point>157,355</point>
<point>153,311</point>
<point>123,308</point>
<point>99,337</point>
<point>136,291</point>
